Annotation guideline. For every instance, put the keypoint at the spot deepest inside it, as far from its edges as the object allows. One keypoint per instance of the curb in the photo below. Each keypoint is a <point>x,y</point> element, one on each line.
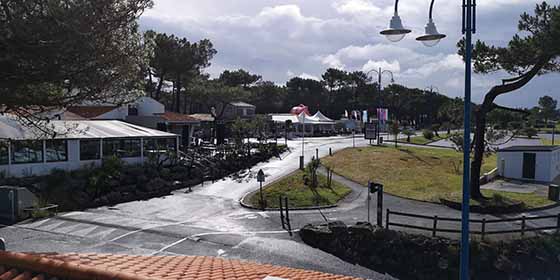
<point>252,207</point>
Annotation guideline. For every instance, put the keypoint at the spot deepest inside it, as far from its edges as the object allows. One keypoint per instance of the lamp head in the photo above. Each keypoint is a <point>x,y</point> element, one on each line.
<point>396,31</point>
<point>432,37</point>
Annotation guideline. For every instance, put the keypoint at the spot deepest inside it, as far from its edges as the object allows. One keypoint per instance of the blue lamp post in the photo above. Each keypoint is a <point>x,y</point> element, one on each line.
<point>430,39</point>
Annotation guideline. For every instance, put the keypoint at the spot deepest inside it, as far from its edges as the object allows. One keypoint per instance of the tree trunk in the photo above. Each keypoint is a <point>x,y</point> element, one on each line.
<point>476,165</point>
<point>160,85</point>
<point>178,96</point>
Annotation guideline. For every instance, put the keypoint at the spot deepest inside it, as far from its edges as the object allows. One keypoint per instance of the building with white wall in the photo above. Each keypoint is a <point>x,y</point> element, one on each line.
<point>530,163</point>
<point>146,112</point>
<point>71,145</point>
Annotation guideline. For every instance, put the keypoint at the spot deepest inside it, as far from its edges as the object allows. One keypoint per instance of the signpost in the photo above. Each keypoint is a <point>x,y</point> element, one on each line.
<point>260,179</point>
<point>371,131</point>
<point>376,188</point>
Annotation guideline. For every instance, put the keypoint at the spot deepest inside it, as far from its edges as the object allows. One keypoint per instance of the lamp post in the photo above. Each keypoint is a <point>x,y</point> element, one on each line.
<point>380,73</point>
<point>430,39</point>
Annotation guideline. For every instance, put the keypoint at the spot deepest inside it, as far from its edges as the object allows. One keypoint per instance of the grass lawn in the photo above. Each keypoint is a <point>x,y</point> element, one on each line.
<point>300,195</point>
<point>421,140</point>
<point>425,174</point>
<point>548,142</point>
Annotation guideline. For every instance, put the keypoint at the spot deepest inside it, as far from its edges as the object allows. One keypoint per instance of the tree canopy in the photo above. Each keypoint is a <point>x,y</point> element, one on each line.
<point>532,52</point>
<point>56,53</point>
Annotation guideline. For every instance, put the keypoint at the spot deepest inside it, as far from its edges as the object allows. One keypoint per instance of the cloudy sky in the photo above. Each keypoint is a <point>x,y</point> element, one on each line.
<point>280,39</point>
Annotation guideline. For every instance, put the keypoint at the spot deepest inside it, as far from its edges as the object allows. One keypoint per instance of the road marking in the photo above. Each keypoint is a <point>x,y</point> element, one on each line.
<point>169,246</point>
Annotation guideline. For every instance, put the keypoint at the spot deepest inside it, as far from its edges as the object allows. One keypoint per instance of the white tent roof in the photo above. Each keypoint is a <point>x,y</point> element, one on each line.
<point>320,117</point>
<point>79,129</point>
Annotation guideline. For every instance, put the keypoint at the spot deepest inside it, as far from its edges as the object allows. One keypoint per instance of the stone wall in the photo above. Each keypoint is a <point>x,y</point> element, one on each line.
<point>407,256</point>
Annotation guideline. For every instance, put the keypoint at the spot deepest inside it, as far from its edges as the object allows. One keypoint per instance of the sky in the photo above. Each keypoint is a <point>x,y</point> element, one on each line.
<point>282,39</point>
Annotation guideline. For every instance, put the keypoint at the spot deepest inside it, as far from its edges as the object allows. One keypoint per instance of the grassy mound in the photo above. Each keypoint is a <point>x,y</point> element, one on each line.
<point>424,174</point>
<point>300,195</point>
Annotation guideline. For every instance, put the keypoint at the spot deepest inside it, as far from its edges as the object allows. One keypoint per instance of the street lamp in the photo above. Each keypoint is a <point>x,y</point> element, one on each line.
<point>396,31</point>
<point>380,73</point>
<point>431,38</point>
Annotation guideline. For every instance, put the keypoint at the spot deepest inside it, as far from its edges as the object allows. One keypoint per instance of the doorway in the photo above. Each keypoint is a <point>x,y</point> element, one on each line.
<point>529,165</point>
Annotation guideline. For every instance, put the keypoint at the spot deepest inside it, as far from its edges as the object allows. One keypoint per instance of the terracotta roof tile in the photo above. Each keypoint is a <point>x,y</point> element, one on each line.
<point>176,117</point>
<point>102,266</point>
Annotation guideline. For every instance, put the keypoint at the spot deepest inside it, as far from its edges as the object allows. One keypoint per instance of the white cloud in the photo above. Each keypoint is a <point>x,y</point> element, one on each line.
<point>308,76</point>
<point>280,38</point>
<point>393,66</point>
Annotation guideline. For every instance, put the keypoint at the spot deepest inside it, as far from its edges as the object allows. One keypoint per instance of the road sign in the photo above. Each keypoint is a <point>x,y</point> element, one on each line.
<point>371,131</point>
<point>260,176</point>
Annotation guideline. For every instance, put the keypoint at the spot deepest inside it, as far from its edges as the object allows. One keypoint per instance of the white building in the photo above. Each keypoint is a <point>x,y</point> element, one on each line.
<point>146,112</point>
<point>70,145</point>
<point>530,163</point>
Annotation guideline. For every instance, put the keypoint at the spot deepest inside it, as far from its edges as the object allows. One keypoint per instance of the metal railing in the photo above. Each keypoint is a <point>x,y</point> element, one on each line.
<point>483,224</point>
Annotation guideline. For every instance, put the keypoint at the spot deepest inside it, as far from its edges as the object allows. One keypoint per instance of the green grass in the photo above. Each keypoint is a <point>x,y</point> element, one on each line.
<point>548,142</point>
<point>424,174</point>
<point>300,195</point>
<point>530,200</point>
<point>421,140</point>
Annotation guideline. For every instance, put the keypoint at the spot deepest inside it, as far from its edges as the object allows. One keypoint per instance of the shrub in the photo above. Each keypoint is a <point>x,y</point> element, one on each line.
<point>408,134</point>
<point>530,132</point>
<point>428,134</point>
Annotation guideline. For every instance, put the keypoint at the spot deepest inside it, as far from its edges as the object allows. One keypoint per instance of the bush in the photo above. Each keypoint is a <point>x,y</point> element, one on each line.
<point>530,132</point>
<point>428,134</point>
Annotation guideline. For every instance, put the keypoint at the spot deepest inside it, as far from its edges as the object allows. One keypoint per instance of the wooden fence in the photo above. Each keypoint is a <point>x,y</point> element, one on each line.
<point>483,224</point>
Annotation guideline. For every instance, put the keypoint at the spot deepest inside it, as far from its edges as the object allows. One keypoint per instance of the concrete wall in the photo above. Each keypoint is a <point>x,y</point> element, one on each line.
<point>510,165</point>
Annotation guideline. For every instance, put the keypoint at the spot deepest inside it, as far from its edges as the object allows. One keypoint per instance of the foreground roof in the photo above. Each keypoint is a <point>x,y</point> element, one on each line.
<point>530,149</point>
<point>76,129</point>
<point>102,266</point>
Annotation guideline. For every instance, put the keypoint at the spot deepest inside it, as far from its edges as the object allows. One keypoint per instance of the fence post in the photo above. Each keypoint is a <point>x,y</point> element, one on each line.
<point>483,231</point>
<point>288,216</point>
<point>558,224</point>
<point>317,153</point>
<point>387,219</point>
<point>523,225</point>
<point>330,152</point>
<point>380,206</point>
<point>434,230</point>
<point>282,213</point>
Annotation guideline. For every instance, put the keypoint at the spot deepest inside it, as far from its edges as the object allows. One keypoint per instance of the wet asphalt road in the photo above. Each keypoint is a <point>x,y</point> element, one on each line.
<point>209,221</point>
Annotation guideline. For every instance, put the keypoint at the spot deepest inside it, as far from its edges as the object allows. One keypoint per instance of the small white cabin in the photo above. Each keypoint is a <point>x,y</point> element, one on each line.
<point>530,163</point>
<point>70,145</point>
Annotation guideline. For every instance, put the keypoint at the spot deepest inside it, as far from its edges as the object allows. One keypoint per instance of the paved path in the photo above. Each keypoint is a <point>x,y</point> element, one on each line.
<point>208,221</point>
<point>211,222</point>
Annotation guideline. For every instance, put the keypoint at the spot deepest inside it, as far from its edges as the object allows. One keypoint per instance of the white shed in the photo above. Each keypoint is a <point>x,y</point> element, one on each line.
<point>530,163</point>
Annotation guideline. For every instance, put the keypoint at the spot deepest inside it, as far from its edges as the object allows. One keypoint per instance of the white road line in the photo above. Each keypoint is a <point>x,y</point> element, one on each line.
<point>170,245</point>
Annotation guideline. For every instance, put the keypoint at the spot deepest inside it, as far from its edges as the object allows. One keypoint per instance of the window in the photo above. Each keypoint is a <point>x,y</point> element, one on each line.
<point>159,145</point>
<point>56,150</point>
<point>90,149</point>
<point>27,152</point>
<point>123,148</point>
<point>4,156</point>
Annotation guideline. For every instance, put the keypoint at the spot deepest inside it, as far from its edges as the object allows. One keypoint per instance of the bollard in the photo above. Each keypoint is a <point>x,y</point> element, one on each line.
<point>301,163</point>
<point>317,153</point>
<point>2,244</point>
<point>330,152</point>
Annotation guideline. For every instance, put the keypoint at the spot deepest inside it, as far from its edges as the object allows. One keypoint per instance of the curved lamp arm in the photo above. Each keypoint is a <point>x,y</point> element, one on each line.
<point>396,7</point>
<point>432,9</point>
